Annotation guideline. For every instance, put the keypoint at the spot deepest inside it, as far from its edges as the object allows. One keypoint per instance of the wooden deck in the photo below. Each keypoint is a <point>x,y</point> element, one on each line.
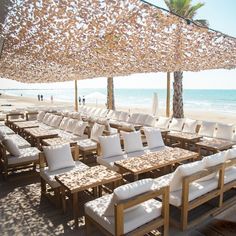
<point>23,212</point>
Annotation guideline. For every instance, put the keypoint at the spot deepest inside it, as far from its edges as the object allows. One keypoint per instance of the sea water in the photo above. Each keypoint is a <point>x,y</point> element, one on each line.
<point>194,99</point>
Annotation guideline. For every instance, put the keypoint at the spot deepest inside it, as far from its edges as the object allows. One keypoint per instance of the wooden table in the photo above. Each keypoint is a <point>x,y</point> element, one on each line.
<point>77,181</point>
<point>154,160</point>
<point>214,145</point>
<point>58,141</point>
<point>19,126</point>
<point>185,139</point>
<point>36,135</point>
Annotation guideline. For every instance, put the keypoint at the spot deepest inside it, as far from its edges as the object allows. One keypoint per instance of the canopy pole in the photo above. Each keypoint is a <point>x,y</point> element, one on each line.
<point>1,45</point>
<point>168,95</point>
<point>110,94</point>
<point>76,96</point>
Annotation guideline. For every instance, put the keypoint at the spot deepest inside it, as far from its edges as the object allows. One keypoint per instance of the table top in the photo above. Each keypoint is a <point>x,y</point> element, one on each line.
<point>155,160</point>
<point>58,141</point>
<point>41,133</point>
<point>214,143</point>
<point>163,131</point>
<point>26,124</point>
<point>76,181</point>
<point>184,136</point>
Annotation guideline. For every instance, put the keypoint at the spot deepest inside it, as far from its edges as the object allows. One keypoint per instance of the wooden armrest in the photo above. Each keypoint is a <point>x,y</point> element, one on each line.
<point>231,162</point>
<point>14,114</point>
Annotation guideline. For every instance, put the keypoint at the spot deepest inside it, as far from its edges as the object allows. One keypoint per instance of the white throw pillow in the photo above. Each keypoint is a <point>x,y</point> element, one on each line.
<point>56,121</point>
<point>45,118</point>
<point>97,131</point>
<point>58,156</point>
<point>133,118</point>
<point>127,191</point>
<point>190,126</point>
<point>132,141</point>
<point>207,129</point>
<point>176,124</point>
<point>11,147</point>
<point>2,135</point>
<point>63,123</point>
<point>110,146</point>
<point>230,154</point>
<point>150,121</point>
<point>223,131</point>
<point>163,123</point>
<point>154,138</point>
<point>40,116</point>
<point>71,125</point>
<point>182,171</point>
<point>80,128</point>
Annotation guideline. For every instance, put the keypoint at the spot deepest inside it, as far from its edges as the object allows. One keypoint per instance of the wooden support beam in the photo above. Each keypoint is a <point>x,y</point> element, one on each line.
<point>168,95</point>
<point>110,94</point>
<point>76,96</point>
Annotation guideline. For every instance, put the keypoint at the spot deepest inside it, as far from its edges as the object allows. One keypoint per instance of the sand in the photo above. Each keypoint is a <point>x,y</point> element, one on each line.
<point>28,102</point>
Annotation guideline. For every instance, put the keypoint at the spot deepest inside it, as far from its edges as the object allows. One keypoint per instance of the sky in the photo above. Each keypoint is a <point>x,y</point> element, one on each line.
<point>220,15</point>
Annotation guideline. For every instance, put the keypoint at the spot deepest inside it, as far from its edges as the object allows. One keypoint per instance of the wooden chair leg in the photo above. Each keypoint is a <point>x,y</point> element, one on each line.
<point>184,218</point>
<point>57,197</point>
<point>88,225</point>
<point>43,186</point>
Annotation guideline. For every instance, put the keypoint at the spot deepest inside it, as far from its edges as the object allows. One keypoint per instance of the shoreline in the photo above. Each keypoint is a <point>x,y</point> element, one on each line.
<point>30,102</point>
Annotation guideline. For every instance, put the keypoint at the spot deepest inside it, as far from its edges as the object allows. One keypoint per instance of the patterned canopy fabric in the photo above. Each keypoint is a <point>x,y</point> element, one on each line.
<point>60,40</point>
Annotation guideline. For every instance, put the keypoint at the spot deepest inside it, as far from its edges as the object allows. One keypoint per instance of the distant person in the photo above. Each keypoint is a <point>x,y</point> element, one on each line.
<point>51,99</point>
<point>83,100</point>
<point>21,94</point>
<point>38,97</point>
<point>79,100</point>
<point>41,97</point>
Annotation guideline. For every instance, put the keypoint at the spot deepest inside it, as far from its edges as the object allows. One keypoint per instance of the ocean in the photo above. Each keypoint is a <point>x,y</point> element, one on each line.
<point>223,101</point>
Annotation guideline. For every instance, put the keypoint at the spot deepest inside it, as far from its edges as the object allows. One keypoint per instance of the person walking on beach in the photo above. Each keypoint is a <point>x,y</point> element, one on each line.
<point>41,97</point>
<point>79,100</point>
<point>83,100</point>
<point>38,97</point>
<point>51,99</point>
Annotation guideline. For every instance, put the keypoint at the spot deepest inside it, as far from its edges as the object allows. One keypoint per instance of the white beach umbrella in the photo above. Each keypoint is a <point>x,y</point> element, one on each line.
<point>96,96</point>
<point>155,104</point>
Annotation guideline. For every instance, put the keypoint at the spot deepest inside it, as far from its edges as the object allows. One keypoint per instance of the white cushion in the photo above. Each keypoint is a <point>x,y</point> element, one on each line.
<point>110,161</point>
<point>133,118</point>
<point>71,124</point>
<point>154,138</point>
<point>230,174</point>
<point>80,128</point>
<point>50,120</point>
<point>141,119</point>
<point>40,115</point>
<point>5,129</point>
<point>49,176</point>
<point>64,123</point>
<point>150,120</point>
<point>2,135</point>
<point>30,154</point>
<point>163,123</point>
<point>182,171</point>
<point>11,146</point>
<point>58,156</point>
<point>207,129</point>
<point>132,141</point>
<point>190,126</point>
<point>230,154</point>
<point>176,124</point>
<point>123,116</point>
<point>97,131</point>
<point>56,121</point>
<point>19,141</point>
<point>223,131</point>
<point>45,118</point>
<point>87,145</point>
<point>110,145</point>
<point>127,191</point>
<point>145,213</point>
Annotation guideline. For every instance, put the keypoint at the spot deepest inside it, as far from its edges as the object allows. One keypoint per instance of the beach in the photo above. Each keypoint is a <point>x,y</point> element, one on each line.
<point>19,102</point>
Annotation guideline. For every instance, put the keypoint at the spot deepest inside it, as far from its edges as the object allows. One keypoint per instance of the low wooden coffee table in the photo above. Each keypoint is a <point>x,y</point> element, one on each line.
<point>36,135</point>
<point>185,139</point>
<point>19,126</point>
<point>154,160</point>
<point>75,182</point>
<point>214,145</point>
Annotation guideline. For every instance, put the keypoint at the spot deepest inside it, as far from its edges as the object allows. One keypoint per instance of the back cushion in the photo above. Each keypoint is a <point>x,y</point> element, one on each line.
<point>45,118</point>
<point>127,191</point>
<point>40,116</point>
<point>56,121</point>
<point>123,116</point>
<point>117,115</point>
<point>97,131</point>
<point>80,128</point>
<point>150,120</point>
<point>154,138</point>
<point>207,129</point>
<point>11,147</point>
<point>163,123</point>
<point>190,126</point>
<point>132,141</point>
<point>176,124</point>
<point>49,119</point>
<point>133,118</point>
<point>71,125</point>
<point>223,131</point>
<point>63,123</point>
<point>141,119</point>
<point>110,146</point>
<point>182,171</point>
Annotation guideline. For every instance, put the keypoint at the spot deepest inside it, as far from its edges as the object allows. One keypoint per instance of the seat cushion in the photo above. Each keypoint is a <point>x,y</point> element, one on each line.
<point>27,155</point>
<point>190,126</point>
<point>87,145</point>
<point>49,176</point>
<point>154,138</point>
<point>110,161</point>
<point>110,145</point>
<point>230,174</point>
<point>146,212</point>
<point>196,189</point>
<point>58,156</point>
<point>5,129</point>
<point>19,141</point>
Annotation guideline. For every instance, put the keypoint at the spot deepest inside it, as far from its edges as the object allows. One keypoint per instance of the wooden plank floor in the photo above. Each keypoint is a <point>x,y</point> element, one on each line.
<point>23,212</point>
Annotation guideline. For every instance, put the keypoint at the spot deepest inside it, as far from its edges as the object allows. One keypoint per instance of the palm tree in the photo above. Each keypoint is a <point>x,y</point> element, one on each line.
<point>110,94</point>
<point>186,9</point>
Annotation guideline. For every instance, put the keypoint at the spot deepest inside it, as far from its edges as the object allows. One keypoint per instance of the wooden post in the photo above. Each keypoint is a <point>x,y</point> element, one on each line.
<point>168,95</point>
<point>110,94</point>
<point>76,96</point>
<point>1,45</point>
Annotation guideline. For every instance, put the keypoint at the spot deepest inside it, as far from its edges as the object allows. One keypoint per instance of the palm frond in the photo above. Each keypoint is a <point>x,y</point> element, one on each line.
<point>202,22</point>
<point>193,10</point>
